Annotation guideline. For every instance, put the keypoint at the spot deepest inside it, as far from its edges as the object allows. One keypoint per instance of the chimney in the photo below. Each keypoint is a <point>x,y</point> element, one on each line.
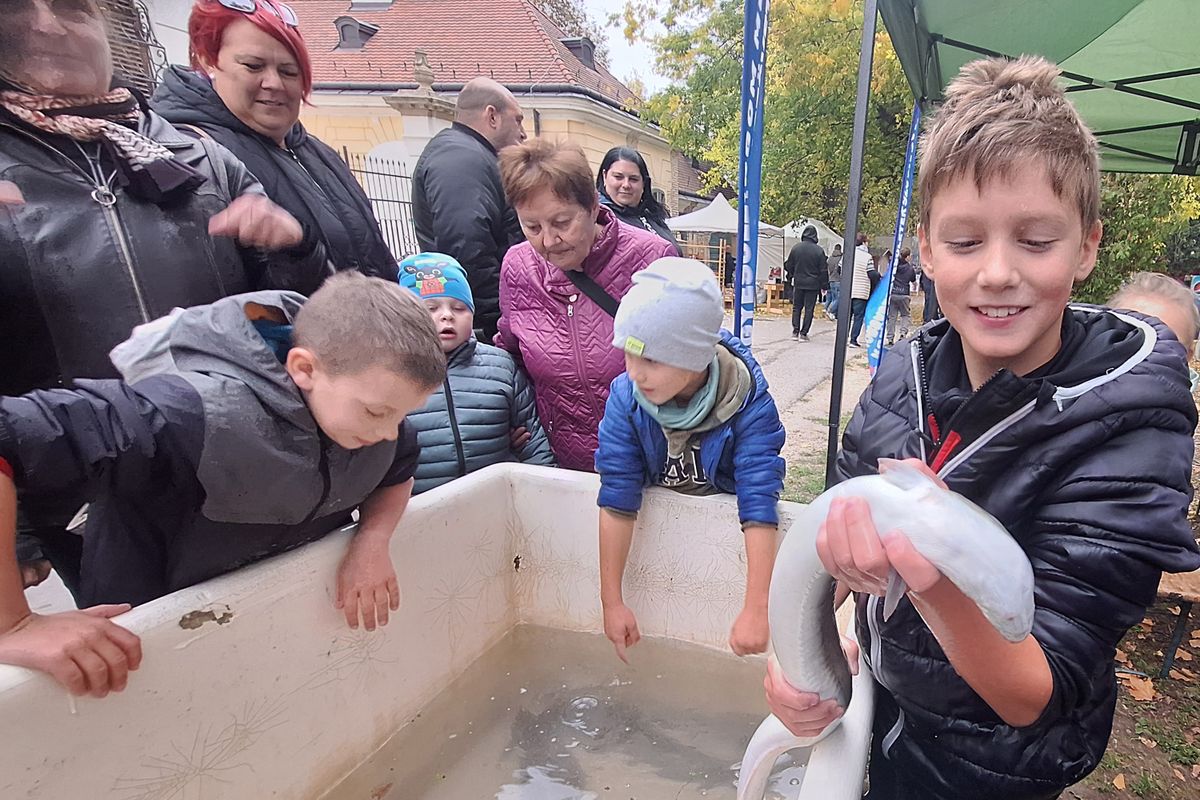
<point>582,48</point>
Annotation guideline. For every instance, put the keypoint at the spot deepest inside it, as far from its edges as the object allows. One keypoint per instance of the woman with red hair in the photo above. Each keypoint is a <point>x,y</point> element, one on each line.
<point>249,74</point>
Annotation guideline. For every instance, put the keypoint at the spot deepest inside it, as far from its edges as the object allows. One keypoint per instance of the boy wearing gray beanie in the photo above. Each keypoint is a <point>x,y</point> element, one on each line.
<point>692,413</point>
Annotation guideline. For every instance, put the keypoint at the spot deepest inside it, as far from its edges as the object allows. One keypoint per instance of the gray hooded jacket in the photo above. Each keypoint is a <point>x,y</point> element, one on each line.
<point>207,459</point>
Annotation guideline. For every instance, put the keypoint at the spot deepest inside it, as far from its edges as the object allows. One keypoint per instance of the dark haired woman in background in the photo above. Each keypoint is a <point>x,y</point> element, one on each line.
<point>625,189</point>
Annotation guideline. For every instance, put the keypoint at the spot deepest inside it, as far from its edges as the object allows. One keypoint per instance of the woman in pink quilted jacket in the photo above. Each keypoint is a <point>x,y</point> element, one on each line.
<point>563,336</point>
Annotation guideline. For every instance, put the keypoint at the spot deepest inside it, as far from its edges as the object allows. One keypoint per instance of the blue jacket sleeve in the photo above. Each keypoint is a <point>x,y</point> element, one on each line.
<point>619,458</point>
<point>524,415</point>
<point>758,438</point>
<point>101,434</point>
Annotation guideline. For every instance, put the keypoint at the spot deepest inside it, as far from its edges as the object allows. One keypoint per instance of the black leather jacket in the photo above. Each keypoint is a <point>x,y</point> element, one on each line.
<point>79,269</point>
<point>1087,463</point>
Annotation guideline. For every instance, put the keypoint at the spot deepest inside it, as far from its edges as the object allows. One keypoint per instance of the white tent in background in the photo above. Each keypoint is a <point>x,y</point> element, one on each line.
<point>826,236</point>
<point>720,217</point>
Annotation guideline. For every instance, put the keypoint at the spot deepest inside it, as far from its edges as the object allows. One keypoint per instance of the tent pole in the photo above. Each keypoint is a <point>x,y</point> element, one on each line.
<point>754,88</point>
<point>866,55</point>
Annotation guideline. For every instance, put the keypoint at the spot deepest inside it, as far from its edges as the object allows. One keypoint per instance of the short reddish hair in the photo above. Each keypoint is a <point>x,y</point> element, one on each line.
<point>561,167</point>
<point>209,19</point>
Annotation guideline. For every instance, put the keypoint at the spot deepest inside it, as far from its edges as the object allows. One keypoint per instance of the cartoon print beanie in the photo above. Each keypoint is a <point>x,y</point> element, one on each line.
<point>672,314</point>
<point>430,275</point>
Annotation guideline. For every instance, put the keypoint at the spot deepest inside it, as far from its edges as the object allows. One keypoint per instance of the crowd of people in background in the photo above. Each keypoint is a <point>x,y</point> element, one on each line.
<point>221,360</point>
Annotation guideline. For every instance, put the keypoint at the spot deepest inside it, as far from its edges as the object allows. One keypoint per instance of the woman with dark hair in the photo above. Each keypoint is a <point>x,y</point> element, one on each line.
<point>250,73</point>
<point>625,189</point>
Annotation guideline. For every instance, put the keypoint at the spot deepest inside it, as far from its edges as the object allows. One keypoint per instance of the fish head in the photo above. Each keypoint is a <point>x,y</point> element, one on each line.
<point>906,477</point>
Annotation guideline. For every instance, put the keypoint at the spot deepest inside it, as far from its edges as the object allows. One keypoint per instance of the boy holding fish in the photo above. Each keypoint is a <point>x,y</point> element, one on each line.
<point>1070,425</point>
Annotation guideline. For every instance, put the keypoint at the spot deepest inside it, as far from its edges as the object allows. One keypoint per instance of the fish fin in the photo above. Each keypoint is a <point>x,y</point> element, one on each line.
<point>901,475</point>
<point>896,589</point>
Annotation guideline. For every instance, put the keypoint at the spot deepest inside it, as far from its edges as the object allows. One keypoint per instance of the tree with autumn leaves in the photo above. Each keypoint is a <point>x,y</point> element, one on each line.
<point>812,63</point>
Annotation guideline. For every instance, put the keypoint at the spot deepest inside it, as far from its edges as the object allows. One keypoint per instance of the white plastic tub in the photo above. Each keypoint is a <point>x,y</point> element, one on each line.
<point>253,687</point>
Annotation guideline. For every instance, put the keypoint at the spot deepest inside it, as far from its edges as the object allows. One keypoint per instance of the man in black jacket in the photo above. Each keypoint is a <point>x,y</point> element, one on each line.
<point>459,206</point>
<point>805,269</point>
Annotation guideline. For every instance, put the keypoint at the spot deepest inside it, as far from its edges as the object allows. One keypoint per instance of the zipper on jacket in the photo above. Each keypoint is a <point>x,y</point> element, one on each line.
<point>325,479</point>
<point>458,444</point>
<point>579,365</point>
<point>107,200</point>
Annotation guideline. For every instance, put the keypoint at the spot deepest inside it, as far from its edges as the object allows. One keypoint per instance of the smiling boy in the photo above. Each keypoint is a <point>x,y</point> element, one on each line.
<point>1071,425</point>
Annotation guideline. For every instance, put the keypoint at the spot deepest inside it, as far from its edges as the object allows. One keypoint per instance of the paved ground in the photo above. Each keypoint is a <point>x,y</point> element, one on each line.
<point>800,377</point>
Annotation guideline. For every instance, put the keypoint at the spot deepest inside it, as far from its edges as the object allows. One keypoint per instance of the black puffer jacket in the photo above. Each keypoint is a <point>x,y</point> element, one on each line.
<point>640,217</point>
<point>306,176</point>
<point>1087,463</point>
<point>467,425</point>
<point>76,276</point>
<point>459,209</point>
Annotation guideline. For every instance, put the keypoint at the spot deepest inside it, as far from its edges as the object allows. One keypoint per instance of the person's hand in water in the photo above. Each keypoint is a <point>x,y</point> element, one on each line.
<point>621,628</point>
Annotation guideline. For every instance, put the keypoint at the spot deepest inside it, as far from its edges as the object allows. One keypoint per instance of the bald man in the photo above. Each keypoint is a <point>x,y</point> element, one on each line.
<point>458,201</point>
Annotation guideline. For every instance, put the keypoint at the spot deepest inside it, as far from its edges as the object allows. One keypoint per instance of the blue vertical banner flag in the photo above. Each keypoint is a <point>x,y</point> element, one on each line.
<point>877,307</point>
<point>754,88</point>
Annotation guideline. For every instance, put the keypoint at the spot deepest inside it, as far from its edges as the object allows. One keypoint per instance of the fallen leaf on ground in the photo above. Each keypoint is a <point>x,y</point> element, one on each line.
<point>1176,675</point>
<point>1174,610</point>
<point>1119,781</point>
<point>1140,688</point>
<point>1121,656</point>
<point>1194,643</point>
<point>1184,655</point>
<point>1196,770</point>
<point>1179,774</point>
<point>1149,623</point>
<point>1148,742</point>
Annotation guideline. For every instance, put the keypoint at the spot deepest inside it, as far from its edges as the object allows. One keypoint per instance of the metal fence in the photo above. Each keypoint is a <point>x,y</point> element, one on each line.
<point>390,190</point>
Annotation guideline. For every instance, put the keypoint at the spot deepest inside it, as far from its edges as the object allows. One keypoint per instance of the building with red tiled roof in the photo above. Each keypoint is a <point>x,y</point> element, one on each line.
<point>367,97</point>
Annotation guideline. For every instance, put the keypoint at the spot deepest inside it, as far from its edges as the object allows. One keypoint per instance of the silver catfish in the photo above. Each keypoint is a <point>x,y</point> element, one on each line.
<point>963,541</point>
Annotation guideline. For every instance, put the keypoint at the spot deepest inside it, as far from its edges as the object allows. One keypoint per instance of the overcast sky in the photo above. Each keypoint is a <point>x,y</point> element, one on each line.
<point>625,60</point>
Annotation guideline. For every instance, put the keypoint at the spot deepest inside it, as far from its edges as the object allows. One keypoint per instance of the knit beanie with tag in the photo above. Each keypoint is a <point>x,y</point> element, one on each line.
<point>672,314</point>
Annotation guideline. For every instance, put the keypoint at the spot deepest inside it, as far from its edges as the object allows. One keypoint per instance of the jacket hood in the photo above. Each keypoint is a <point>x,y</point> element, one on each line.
<point>735,346</point>
<point>219,341</point>
<point>810,234</point>
<point>186,97</point>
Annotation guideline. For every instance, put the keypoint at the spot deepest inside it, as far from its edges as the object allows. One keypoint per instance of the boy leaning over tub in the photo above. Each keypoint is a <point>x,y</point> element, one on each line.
<point>692,413</point>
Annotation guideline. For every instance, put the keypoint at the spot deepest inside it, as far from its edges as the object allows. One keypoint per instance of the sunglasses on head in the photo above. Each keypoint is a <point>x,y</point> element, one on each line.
<point>281,10</point>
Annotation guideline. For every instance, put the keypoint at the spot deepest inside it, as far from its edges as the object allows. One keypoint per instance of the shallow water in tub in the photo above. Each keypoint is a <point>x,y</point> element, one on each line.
<point>554,715</point>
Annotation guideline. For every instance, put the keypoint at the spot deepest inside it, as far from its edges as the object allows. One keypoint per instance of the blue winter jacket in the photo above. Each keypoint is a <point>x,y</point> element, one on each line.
<point>740,456</point>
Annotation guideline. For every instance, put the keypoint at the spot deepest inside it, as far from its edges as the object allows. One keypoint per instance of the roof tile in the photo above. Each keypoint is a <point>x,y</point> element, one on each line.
<point>509,40</point>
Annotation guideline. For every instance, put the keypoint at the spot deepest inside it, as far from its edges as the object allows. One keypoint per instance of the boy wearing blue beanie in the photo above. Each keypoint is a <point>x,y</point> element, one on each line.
<point>484,413</point>
<point>691,412</point>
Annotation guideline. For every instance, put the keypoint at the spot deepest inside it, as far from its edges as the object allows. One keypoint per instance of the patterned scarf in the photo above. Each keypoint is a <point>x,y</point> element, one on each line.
<point>146,169</point>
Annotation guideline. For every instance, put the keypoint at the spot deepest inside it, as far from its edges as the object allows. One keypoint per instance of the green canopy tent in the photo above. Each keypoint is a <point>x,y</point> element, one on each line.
<point>1132,68</point>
